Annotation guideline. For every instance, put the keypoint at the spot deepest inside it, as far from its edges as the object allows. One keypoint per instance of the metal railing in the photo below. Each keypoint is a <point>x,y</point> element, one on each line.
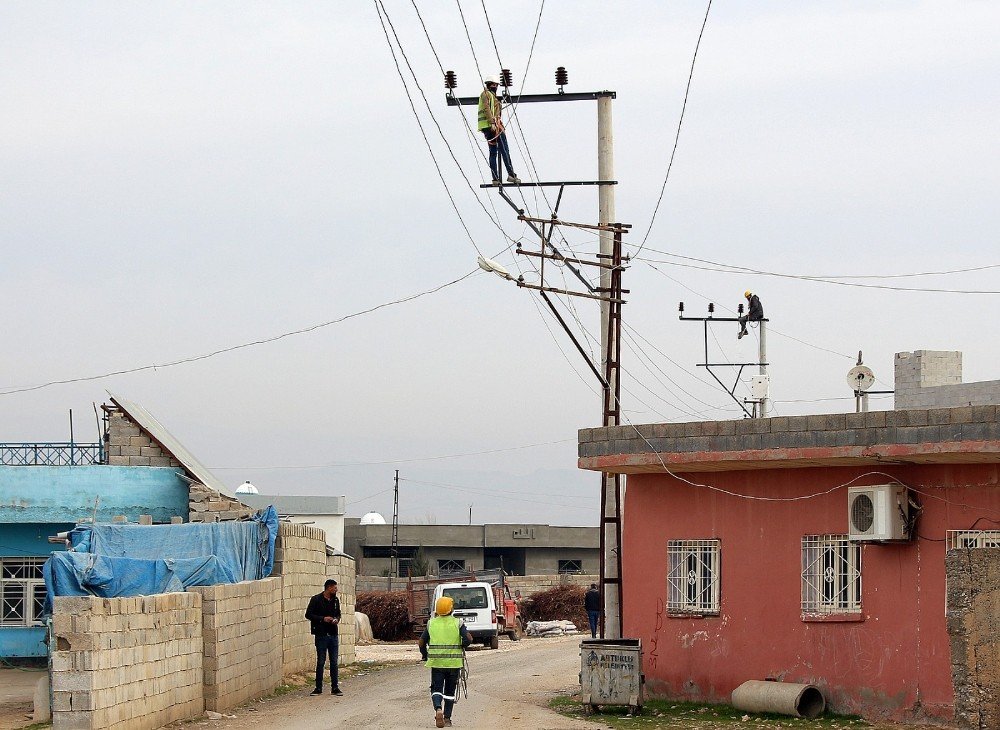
<point>64,453</point>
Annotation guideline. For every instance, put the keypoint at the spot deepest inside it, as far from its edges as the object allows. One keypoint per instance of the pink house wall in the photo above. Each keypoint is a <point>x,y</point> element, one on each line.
<point>893,663</point>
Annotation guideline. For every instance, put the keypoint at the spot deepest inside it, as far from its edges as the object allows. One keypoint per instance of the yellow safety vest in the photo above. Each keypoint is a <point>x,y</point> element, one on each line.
<point>444,650</point>
<point>489,106</point>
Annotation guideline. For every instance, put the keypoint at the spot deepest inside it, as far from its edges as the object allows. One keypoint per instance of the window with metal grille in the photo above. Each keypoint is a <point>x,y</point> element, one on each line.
<point>831,575</point>
<point>973,539</point>
<point>22,591</point>
<point>570,566</point>
<point>451,566</point>
<point>693,569</point>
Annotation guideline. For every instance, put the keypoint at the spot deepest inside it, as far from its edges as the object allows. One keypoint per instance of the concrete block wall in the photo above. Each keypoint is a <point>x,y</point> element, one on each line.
<point>207,505</point>
<point>129,445</point>
<point>933,379</point>
<point>973,614</point>
<point>846,430</point>
<point>131,663</point>
<point>243,656</point>
<point>300,560</point>
<point>531,584</point>
<point>341,569</point>
<point>527,584</point>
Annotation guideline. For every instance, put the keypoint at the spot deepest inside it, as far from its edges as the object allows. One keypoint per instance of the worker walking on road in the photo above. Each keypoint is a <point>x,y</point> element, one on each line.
<point>491,125</point>
<point>755,313</point>
<point>442,646</point>
<point>592,605</point>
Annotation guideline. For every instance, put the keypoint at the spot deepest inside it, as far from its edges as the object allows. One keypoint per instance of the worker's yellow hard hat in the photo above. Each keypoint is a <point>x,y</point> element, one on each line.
<point>748,293</point>
<point>444,606</point>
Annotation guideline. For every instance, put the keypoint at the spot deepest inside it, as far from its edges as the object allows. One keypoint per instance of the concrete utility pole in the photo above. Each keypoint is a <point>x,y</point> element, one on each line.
<point>765,401</point>
<point>610,513</point>
<point>611,261</point>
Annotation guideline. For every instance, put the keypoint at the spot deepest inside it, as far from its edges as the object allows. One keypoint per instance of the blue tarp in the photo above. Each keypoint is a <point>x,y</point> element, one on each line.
<point>140,560</point>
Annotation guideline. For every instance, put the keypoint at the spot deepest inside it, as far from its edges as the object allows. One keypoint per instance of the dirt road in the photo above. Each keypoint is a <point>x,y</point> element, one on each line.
<point>508,687</point>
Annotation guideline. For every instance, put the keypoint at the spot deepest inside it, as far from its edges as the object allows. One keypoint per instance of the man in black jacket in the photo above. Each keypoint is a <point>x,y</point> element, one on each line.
<point>324,616</point>
<point>592,604</point>
<point>755,313</point>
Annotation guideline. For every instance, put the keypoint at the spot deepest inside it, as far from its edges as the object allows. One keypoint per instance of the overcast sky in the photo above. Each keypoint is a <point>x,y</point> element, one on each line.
<point>178,178</point>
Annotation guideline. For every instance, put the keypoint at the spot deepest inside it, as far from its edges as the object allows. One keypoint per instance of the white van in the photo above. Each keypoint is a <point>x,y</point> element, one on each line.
<point>475,606</point>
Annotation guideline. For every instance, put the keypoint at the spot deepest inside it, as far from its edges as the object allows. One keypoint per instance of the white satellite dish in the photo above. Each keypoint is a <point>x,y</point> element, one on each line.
<point>860,378</point>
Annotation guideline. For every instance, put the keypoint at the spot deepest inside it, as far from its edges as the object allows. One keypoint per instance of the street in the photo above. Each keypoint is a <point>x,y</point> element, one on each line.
<point>508,687</point>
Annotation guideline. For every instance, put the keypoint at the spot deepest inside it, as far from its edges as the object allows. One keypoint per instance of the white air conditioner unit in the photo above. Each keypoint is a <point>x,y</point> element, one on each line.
<point>878,514</point>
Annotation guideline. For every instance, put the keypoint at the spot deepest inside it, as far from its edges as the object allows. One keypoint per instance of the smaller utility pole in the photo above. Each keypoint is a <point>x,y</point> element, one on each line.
<point>394,550</point>
<point>765,400</point>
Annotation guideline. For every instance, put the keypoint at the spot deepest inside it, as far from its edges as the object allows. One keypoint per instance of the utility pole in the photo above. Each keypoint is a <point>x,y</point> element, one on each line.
<point>394,550</point>
<point>610,483</point>
<point>765,401</point>
<point>610,262</point>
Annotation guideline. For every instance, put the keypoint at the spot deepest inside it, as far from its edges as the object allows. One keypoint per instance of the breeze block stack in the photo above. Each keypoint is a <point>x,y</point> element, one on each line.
<point>243,645</point>
<point>126,662</point>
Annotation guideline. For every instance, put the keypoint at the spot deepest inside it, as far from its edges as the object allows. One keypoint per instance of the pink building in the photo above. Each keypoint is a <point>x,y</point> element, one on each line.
<point>856,552</point>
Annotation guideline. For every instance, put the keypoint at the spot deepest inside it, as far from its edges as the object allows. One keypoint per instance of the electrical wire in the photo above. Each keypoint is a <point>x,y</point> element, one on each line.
<point>243,345</point>
<point>744,271</point>
<point>477,154</point>
<point>420,125</point>
<point>500,493</point>
<point>770,329</point>
<point>680,121</point>
<point>338,464</point>
<point>370,496</point>
<point>499,226</point>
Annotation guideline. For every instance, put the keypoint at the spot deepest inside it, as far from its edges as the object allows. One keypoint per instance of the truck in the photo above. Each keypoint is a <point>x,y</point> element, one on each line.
<point>483,602</point>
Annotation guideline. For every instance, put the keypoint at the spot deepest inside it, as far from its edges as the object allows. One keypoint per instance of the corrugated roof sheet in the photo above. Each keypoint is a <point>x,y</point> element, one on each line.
<point>147,421</point>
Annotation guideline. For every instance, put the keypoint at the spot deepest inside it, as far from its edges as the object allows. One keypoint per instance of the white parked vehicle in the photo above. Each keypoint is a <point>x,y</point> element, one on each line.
<point>475,606</point>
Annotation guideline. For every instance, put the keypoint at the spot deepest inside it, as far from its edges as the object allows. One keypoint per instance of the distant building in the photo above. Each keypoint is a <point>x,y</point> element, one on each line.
<point>520,549</point>
<point>326,513</point>
<point>857,552</point>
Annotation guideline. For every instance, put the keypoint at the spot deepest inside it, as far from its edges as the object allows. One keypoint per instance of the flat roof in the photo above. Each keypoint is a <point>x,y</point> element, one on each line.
<point>968,435</point>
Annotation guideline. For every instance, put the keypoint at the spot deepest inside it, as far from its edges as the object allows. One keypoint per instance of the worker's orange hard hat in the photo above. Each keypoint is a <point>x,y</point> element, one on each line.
<point>444,605</point>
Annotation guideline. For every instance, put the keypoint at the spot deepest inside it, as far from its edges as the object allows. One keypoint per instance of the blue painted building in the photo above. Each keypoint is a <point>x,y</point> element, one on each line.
<point>45,489</point>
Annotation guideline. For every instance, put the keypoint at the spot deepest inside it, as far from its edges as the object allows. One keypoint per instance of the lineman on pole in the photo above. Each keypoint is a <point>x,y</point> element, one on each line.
<point>491,125</point>
<point>755,313</point>
<point>442,646</point>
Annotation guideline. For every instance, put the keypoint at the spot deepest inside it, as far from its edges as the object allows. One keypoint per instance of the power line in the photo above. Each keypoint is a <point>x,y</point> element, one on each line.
<point>769,329</point>
<point>244,345</point>
<point>370,496</point>
<point>338,464</point>
<point>421,126</point>
<point>477,154</point>
<point>399,71</point>
<point>501,493</point>
<point>744,271</point>
<point>680,121</point>
<point>827,276</point>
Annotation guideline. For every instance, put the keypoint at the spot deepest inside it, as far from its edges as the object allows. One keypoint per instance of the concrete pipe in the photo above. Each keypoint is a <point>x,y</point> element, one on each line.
<point>785,698</point>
